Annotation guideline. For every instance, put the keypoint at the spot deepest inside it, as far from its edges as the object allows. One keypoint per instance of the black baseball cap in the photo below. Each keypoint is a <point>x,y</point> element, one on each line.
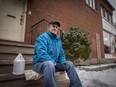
<point>54,23</point>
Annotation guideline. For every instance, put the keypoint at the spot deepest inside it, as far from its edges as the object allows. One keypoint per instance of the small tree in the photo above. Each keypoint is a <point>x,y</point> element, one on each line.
<point>76,43</point>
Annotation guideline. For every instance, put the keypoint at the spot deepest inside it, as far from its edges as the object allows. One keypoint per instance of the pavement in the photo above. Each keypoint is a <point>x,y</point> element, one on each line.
<point>98,67</point>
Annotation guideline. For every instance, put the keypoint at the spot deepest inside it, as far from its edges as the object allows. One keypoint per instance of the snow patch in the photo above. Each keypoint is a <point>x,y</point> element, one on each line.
<point>104,78</point>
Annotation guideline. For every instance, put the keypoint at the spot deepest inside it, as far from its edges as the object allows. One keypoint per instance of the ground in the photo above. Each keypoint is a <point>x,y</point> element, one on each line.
<point>97,75</point>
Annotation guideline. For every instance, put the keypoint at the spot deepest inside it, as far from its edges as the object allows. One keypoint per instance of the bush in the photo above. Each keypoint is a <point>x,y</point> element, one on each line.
<point>76,43</point>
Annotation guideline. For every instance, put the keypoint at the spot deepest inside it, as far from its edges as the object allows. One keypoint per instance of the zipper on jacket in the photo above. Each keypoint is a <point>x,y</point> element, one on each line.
<point>54,50</point>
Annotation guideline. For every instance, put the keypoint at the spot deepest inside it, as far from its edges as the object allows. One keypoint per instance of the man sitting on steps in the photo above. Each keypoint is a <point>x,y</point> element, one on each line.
<point>49,57</point>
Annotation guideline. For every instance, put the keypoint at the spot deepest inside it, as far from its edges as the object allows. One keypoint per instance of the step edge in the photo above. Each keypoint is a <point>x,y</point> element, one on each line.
<point>9,62</point>
<point>17,45</point>
<point>10,76</point>
<point>16,52</point>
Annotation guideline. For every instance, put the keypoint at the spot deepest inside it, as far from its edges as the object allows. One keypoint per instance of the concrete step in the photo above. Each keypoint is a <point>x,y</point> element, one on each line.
<point>9,80</point>
<point>10,50</point>
<point>8,68</point>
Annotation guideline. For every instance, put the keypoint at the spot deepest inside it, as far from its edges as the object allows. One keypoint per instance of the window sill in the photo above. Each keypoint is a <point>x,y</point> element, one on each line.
<point>92,8</point>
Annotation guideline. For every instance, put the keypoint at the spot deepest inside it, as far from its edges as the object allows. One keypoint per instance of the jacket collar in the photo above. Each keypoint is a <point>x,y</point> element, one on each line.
<point>51,36</point>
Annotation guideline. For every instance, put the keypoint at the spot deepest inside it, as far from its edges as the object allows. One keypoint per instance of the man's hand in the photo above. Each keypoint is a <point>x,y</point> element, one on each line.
<point>60,67</point>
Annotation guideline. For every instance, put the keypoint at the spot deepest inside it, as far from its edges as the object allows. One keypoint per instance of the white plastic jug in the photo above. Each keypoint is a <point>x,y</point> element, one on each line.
<point>19,65</point>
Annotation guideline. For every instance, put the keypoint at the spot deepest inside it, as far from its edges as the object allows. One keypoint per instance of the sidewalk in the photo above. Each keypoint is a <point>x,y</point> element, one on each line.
<point>99,67</point>
<point>103,75</point>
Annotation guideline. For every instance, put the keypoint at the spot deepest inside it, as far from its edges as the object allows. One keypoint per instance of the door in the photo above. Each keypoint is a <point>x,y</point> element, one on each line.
<point>12,20</point>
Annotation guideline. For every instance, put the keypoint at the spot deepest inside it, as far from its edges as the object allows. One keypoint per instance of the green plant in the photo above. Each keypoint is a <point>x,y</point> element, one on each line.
<point>77,44</point>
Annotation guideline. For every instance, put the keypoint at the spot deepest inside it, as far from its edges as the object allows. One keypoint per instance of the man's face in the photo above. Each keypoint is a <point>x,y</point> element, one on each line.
<point>53,29</point>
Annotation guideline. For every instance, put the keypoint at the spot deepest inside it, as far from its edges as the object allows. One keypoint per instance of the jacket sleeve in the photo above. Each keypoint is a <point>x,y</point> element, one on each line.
<point>62,58</point>
<point>41,49</point>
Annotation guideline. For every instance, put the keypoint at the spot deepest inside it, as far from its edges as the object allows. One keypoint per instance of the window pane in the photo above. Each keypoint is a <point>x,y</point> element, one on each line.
<point>87,1</point>
<point>110,18</point>
<point>106,15</point>
<point>106,42</point>
<point>102,12</point>
<point>109,45</point>
<point>93,4</point>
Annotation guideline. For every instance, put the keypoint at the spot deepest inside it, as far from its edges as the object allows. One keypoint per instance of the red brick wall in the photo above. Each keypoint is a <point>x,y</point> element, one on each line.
<point>70,13</point>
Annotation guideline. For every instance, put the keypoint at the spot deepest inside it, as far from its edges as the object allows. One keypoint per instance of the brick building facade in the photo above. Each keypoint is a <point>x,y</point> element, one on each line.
<point>70,14</point>
<point>85,14</point>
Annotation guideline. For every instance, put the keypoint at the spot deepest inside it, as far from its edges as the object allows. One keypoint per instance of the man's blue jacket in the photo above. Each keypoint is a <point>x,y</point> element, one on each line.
<point>48,48</point>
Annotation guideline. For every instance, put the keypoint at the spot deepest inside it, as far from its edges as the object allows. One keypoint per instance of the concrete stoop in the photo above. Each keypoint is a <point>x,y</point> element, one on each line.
<point>9,80</point>
<point>9,51</point>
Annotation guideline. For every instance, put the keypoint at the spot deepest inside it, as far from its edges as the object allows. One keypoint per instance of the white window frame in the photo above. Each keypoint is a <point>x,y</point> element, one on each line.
<point>91,3</point>
<point>106,14</point>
